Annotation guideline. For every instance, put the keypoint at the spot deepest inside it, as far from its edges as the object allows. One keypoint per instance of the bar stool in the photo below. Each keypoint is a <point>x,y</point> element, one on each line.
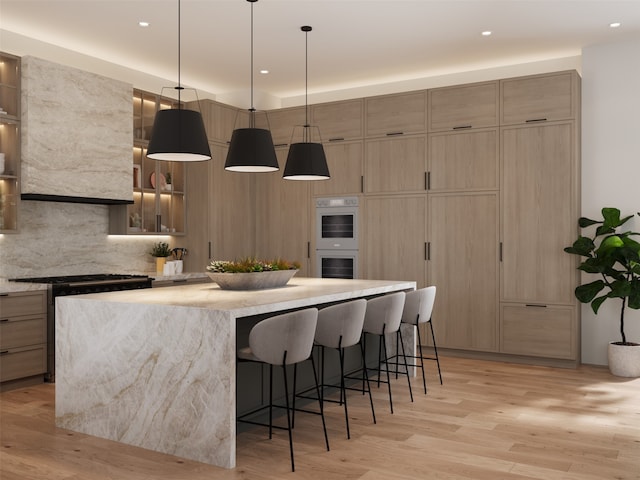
<point>382,317</point>
<point>418,307</point>
<point>283,340</point>
<point>340,327</point>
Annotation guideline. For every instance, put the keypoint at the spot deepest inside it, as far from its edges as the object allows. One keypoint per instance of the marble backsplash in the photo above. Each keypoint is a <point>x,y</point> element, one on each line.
<point>69,239</point>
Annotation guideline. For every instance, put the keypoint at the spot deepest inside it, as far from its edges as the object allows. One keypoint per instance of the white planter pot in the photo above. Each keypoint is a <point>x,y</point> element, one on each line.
<point>624,360</point>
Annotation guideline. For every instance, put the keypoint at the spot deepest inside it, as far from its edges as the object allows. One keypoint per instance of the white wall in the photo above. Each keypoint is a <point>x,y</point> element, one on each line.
<point>610,168</point>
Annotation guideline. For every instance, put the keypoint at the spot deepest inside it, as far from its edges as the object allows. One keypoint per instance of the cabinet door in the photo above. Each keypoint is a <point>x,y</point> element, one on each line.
<point>465,106</point>
<point>463,264</point>
<point>540,98</point>
<point>396,114</point>
<point>345,167</point>
<point>283,217</point>
<point>220,120</point>
<point>339,120</point>
<point>539,213</point>
<point>394,165</point>
<point>465,160</point>
<point>539,330</point>
<point>282,123</point>
<point>394,238</point>
<point>232,217</point>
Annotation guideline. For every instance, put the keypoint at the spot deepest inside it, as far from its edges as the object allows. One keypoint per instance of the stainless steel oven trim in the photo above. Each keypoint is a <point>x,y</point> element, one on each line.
<point>320,254</point>
<point>337,206</point>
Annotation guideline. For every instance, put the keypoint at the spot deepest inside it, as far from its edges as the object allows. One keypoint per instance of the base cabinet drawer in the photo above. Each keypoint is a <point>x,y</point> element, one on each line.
<point>27,303</point>
<point>22,362</point>
<point>538,330</point>
<point>23,331</point>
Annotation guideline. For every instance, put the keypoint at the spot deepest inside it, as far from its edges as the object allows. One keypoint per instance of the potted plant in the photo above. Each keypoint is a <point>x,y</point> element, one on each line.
<point>615,257</point>
<point>161,251</point>
<point>251,274</point>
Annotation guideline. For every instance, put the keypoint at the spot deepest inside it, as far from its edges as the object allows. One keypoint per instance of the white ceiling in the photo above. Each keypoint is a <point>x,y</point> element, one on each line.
<point>354,43</point>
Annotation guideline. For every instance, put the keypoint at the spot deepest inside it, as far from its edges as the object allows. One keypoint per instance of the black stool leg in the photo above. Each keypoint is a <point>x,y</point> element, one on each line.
<point>424,380</point>
<point>366,377</point>
<point>270,401</point>
<point>435,349</point>
<point>406,365</point>
<point>289,427</point>
<point>383,343</point>
<point>343,393</point>
<point>324,425</point>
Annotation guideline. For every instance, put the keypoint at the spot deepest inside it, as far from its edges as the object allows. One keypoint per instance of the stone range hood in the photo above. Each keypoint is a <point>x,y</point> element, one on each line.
<point>77,135</point>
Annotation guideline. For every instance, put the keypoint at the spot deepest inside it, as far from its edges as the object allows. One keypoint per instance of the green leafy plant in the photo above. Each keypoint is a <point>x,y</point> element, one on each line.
<point>249,264</point>
<point>160,249</point>
<point>613,255</point>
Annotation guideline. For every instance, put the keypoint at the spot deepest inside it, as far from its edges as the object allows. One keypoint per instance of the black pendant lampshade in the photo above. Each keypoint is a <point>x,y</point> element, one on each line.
<point>306,160</point>
<point>251,149</point>
<point>178,135</point>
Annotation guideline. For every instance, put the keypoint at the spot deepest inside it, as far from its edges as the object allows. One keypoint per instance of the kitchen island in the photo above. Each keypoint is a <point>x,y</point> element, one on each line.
<point>155,368</point>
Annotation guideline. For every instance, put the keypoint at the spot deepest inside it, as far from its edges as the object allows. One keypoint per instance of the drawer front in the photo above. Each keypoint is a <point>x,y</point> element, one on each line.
<point>23,331</point>
<point>17,304</point>
<point>22,362</point>
<point>540,331</point>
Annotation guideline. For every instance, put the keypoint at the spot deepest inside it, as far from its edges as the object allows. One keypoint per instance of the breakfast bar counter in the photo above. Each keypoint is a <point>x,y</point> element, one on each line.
<point>155,368</point>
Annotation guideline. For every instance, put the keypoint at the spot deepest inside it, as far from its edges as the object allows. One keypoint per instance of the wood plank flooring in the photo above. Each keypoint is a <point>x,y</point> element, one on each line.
<point>490,420</point>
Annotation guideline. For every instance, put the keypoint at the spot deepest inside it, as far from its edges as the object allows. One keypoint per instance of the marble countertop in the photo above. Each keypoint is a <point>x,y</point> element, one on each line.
<point>298,293</point>
<point>17,287</point>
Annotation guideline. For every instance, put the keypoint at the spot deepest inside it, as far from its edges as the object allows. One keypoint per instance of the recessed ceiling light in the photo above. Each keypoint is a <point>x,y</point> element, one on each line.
<point>264,71</point>
<point>143,24</point>
<point>486,33</point>
<point>615,24</point>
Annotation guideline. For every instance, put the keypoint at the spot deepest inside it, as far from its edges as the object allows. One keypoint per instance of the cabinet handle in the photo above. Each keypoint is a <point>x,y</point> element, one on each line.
<point>158,223</point>
<point>500,251</point>
<point>427,250</point>
<point>181,280</point>
<point>427,180</point>
<point>536,120</point>
<point>462,127</point>
<point>209,250</point>
<point>280,145</point>
<point>336,139</point>
<point>4,294</point>
<point>535,305</point>
<point>308,249</point>
<point>4,352</point>
<point>392,134</point>
<point>4,320</point>
<point>361,183</point>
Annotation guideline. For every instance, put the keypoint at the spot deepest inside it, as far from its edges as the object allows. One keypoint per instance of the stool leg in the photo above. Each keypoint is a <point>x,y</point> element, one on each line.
<point>383,343</point>
<point>270,401</point>
<point>324,425</point>
<point>289,427</point>
<point>293,414</point>
<point>435,349</point>
<point>366,377</point>
<point>343,393</point>
<point>406,365</point>
<point>424,380</point>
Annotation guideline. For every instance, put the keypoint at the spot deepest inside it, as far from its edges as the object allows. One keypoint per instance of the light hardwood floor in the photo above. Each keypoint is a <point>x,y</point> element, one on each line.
<point>489,420</point>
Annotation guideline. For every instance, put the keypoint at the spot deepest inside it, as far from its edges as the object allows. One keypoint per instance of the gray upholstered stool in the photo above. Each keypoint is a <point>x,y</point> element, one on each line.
<point>418,307</point>
<point>340,327</point>
<point>382,317</point>
<point>283,340</point>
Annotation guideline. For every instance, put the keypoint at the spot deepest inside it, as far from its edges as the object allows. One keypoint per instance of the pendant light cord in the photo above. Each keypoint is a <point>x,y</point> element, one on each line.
<point>179,87</point>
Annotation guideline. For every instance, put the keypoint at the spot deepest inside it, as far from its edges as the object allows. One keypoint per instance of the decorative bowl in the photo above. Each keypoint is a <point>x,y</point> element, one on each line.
<point>252,280</point>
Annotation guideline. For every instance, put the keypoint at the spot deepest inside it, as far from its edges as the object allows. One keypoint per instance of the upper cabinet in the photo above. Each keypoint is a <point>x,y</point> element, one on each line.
<point>465,106</point>
<point>395,165</point>
<point>540,98</point>
<point>344,160</point>
<point>9,141</point>
<point>396,114</point>
<point>219,119</point>
<point>282,123</point>
<point>338,121</point>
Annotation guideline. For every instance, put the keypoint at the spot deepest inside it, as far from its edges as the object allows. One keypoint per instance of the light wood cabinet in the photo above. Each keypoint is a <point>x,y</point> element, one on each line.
<point>465,160</point>
<point>463,107</point>
<point>282,123</point>
<point>345,160</point>
<point>159,187</point>
<point>338,121</point>
<point>539,213</point>
<point>283,217</point>
<point>463,264</point>
<point>220,120</point>
<point>399,114</point>
<point>539,330</point>
<point>394,165</point>
<point>394,240</point>
<point>23,337</point>
<point>9,142</point>
<point>539,98</point>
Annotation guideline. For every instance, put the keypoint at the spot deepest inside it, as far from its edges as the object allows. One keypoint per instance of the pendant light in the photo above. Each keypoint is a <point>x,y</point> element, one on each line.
<point>306,160</point>
<point>251,149</point>
<point>178,135</point>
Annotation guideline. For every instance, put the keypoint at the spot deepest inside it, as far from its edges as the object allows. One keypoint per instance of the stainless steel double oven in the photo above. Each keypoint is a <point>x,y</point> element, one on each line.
<point>337,237</point>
